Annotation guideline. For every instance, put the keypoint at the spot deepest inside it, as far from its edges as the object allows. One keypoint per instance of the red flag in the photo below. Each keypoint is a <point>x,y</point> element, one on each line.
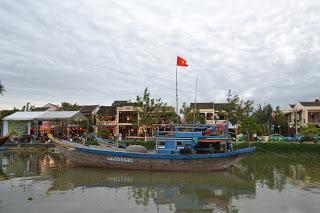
<point>181,62</point>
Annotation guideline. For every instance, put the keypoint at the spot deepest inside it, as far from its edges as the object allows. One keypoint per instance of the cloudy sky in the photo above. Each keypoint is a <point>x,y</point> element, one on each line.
<point>97,51</point>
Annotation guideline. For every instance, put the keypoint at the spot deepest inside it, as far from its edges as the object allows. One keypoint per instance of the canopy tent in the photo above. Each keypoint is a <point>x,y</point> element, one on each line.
<point>29,118</point>
<point>22,116</point>
<point>46,116</point>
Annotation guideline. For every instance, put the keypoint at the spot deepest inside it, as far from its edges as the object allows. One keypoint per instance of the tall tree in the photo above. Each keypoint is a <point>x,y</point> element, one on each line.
<point>65,106</point>
<point>150,110</point>
<point>237,108</point>
<point>28,107</point>
<point>279,120</point>
<point>263,115</point>
<point>2,90</point>
<point>249,126</point>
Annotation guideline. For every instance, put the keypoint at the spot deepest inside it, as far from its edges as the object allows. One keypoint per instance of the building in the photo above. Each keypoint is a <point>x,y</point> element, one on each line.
<point>47,107</point>
<point>126,117</point>
<point>212,112</point>
<point>106,119</point>
<point>123,117</point>
<point>120,117</point>
<point>301,114</point>
<point>90,112</point>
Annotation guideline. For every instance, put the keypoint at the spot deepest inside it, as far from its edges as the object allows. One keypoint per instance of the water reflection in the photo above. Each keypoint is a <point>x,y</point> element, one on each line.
<point>180,192</point>
<point>275,172</point>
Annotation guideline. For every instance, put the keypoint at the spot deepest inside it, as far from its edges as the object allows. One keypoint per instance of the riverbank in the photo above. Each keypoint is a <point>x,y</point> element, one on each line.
<point>281,147</point>
<point>28,146</point>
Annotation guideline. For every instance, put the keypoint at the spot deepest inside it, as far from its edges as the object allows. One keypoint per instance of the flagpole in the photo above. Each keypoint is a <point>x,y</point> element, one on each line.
<point>177,109</point>
<point>195,101</point>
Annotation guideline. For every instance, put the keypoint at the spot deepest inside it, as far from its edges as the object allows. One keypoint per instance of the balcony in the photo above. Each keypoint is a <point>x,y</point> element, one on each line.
<point>106,123</point>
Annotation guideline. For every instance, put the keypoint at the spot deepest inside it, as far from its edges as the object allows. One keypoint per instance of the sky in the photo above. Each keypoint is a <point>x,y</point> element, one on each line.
<point>98,51</point>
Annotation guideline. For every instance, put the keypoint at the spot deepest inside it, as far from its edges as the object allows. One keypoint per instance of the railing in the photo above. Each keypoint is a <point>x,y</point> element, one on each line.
<point>313,120</point>
<point>106,123</point>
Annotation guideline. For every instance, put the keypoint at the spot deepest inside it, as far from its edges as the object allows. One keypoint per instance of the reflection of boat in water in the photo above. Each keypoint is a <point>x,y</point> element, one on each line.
<point>184,190</point>
<point>92,177</point>
<point>188,148</point>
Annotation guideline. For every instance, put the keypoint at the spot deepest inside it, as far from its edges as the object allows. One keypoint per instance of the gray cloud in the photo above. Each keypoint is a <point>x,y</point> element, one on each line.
<point>93,52</point>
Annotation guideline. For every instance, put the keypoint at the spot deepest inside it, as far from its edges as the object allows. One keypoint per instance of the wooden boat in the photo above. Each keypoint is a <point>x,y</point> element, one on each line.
<point>108,143</point>
<point>167,156</point>
<point>4,139</point>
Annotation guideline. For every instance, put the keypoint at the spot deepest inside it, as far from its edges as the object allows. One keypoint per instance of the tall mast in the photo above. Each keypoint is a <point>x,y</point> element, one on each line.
<point>195,100</point>
<point>177,106</point>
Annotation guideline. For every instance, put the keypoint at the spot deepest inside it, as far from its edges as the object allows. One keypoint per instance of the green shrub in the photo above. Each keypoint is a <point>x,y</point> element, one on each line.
<point>281,147</point>
<point>148,144</point>
<point>89,143</point>
<point>104,133</point>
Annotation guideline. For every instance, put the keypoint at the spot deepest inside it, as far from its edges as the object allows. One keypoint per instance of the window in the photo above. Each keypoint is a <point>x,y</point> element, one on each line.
<point>162,143</point>
<point>179,143</point>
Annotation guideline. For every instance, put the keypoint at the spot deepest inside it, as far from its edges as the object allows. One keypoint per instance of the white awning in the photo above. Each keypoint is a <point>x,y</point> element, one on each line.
<point>61,115</point>
<point>45,116</point>
<point>22,116</point>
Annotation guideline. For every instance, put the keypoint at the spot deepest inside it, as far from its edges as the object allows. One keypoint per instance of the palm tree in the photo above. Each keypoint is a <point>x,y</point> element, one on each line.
<point>1,89</point>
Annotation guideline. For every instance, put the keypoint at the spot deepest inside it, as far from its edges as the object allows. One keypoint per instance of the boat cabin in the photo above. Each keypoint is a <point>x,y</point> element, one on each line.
<point>194,138</point>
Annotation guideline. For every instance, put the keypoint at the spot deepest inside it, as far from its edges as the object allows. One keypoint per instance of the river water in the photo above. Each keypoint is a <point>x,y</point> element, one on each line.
<point>33,182</point>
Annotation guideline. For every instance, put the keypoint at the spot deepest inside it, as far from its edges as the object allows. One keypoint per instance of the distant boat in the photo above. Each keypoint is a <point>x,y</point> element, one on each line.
<point>188,148</point>
<point>4,139</point>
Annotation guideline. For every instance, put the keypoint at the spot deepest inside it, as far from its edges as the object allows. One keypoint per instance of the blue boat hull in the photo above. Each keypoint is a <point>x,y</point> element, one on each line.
<point>104,158</point>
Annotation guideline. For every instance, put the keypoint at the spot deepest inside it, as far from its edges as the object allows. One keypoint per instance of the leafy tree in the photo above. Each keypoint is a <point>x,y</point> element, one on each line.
<point>249,126</point>
<point>2,90</point>
<point>190,116</point>
<point>65,106</point>
<point>150,110</point>
<point>279,119</point>
<point>28,107</point>
<point>263,115</point>
<point>310,130</point>
<point>167,115</point>
<point>237,108</point>
<point>104,133</point>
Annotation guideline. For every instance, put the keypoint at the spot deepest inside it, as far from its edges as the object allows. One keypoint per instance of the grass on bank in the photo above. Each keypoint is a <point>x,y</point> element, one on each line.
<point>281,147</point>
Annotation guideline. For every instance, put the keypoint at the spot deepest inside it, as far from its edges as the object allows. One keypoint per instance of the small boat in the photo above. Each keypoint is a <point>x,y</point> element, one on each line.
<point>108,143</point>
<point>4,139</point>
<point>188,148</point>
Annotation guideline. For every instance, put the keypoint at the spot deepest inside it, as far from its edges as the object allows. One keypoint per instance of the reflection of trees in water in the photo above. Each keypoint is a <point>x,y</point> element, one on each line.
<point>25,164</point>
<point>275,171</point>
<point>190,198</point>
<point>143,195</point>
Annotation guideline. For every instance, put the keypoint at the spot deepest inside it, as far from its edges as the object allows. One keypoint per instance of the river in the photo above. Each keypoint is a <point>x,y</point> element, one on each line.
<point>33,182</point>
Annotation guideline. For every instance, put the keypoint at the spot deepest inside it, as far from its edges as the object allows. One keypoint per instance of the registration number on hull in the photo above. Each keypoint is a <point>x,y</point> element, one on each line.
<point>120,159</point>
